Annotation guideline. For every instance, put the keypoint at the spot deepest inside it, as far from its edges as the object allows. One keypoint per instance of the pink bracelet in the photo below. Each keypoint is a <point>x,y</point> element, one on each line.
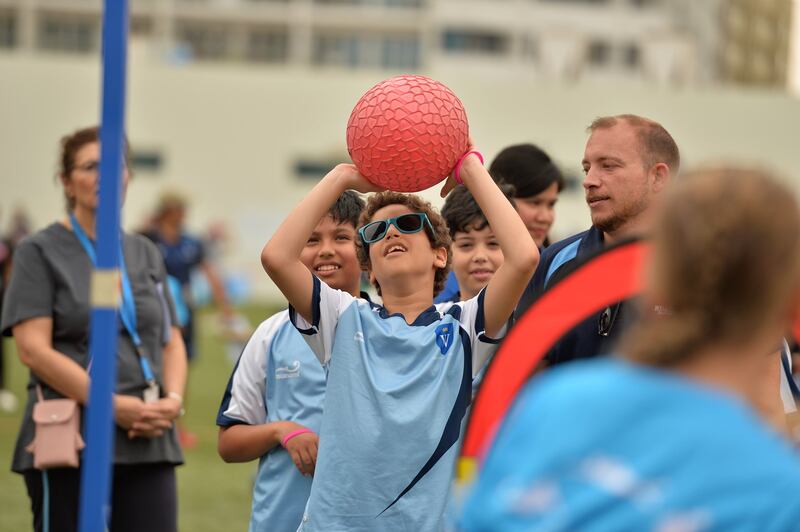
<point>457,173</point>
<point>292,434</point>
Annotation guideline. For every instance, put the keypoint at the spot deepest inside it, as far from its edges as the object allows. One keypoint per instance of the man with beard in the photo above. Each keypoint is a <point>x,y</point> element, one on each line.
<point>628,162</point>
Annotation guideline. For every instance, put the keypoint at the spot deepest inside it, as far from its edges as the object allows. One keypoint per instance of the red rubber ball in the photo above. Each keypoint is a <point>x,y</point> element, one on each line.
<point>407,133</point>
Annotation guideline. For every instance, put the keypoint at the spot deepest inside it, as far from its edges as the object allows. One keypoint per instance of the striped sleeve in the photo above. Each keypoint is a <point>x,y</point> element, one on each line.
<point>244,399</point>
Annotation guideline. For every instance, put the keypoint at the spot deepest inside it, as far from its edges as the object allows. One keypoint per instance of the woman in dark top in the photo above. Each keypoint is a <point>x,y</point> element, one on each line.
<point>47,311</point>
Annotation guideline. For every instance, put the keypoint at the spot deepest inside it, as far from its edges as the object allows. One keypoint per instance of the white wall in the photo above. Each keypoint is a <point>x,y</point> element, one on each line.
<point>230,135</point>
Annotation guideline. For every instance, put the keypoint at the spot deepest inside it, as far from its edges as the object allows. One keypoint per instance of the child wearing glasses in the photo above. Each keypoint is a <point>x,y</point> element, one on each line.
<point>272,407</point>
<point>399,375</point>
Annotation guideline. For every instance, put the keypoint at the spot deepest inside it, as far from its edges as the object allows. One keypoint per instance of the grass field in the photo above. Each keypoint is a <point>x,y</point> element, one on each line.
<point>213,495</point>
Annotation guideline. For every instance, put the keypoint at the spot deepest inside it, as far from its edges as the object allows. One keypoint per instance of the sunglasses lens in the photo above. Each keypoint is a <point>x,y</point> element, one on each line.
<point>409,223</point>
<point>374,231</point>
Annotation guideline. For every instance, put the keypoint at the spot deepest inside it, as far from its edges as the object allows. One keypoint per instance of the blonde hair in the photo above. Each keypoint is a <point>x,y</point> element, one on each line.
<point>726,264</point>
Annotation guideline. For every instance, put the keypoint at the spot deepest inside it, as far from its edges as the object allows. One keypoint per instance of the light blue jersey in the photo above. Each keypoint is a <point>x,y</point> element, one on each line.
<point>606,445</point>
<point>395,400</point>
<point>277,378</point>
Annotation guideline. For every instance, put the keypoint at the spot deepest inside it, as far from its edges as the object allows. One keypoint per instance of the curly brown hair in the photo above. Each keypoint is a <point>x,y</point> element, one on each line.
<point>440,238</point>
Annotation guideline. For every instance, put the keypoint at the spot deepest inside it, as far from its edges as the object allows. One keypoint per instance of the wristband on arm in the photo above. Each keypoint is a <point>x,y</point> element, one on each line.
<point>292,434</point>
<point>457,172</point>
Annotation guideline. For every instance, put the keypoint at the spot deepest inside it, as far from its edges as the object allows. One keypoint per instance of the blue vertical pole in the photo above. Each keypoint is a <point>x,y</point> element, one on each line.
<point>104,296</point>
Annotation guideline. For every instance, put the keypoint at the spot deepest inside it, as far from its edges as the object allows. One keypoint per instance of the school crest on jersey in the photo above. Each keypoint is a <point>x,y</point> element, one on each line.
<point>444,337</point>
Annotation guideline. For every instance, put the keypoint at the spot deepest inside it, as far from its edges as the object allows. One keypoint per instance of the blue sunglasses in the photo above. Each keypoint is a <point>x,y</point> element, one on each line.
<point>405,223</point>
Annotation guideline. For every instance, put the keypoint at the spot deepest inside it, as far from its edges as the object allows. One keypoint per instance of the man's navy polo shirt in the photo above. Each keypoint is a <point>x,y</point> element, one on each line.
<point>557,260</point>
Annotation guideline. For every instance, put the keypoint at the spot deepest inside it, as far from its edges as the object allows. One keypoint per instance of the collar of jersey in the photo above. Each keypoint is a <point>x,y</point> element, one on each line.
<point>428,316</point>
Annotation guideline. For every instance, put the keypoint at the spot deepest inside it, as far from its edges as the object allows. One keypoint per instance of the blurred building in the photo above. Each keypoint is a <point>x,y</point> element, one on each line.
<point>669,42</point>
<point>757,35</point>
<point>242,104</point>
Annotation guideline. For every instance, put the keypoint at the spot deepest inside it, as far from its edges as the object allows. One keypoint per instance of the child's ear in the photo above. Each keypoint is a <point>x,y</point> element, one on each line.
<point>440,257</point>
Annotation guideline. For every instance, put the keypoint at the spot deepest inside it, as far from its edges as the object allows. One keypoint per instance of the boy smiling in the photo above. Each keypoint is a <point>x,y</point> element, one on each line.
<point>399,374</point>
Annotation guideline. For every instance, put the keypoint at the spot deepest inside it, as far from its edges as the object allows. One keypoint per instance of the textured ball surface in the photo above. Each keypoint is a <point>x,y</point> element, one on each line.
<point>407,133</point>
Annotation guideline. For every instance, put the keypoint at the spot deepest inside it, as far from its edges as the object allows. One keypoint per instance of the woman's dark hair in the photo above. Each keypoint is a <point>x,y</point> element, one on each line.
<point>527,168</point>
<point>70,145</point>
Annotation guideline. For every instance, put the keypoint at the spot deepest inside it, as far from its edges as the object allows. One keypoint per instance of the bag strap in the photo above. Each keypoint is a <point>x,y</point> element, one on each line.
<point>39,394</point>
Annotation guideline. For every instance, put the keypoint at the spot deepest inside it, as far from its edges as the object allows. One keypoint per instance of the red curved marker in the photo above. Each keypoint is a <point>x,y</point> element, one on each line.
<point>610,277</point>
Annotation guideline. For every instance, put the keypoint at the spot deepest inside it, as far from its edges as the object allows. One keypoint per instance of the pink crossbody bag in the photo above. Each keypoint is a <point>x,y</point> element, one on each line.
<point>57,441</point>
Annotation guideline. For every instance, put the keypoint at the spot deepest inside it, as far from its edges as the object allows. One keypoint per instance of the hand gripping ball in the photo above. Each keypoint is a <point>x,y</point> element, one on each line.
<point>407,133</point>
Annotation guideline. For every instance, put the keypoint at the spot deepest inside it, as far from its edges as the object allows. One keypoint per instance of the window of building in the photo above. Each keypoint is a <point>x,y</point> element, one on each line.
<point>477,42</point>
<point>307,168</point>
<point>8,29</point>
<point>644,3</point>
<point>401,52</point>
<point>146,162</point>
<point>599,53</point>
<point>367,51</point>
<point>268,45</point>
<point>204,41</point>
<point>141,26</point>
<point>390,3</point>
<point>530,47</point>
<point>68,34</point>
<point>631,55</point>
<point>577,1</point>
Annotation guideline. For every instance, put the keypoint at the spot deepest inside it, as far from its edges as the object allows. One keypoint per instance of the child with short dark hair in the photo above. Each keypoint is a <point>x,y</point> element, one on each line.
<point>399,374</point>
<point>476,249</point>
<point>272,407</point>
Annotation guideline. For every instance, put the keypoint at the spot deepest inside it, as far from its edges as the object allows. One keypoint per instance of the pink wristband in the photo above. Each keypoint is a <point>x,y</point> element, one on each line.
<point>292,434</point>
<point>457,173</point>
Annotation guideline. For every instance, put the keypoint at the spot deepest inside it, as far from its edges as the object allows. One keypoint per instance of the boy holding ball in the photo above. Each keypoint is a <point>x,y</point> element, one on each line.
<point>399,375</point>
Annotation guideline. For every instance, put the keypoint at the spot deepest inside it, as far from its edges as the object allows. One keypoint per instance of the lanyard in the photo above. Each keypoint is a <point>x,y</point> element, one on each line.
<point>127,311</point>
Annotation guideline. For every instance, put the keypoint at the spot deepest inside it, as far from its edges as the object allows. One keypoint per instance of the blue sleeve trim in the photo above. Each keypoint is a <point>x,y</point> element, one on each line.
<point>222,419</point>
<point>488,339</point>
<point>567,254</point>
<point>225,421</point>
<point>315,311</point>
<point>785,356</point>
<point>480,319</point>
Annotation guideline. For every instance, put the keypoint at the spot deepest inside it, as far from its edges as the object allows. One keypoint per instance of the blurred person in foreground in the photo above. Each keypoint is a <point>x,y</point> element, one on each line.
<point>535,182</point>
<point>47,309</point>
<point>629,161</point>
<point>665,436</point>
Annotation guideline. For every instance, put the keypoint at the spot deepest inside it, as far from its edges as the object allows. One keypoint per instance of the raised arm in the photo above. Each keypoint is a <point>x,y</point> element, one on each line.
<point>520,254</point>
<point>281,256</point>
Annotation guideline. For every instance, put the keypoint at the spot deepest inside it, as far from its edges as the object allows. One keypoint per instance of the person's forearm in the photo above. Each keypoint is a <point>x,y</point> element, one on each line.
<point>242,443</point>
<point>518,247</point>
<point>217,288</point>
<point>175,365</point>
<point>281,255</point>
<point>288,241</point>
<point>33,339</point>
<point>58,371</point>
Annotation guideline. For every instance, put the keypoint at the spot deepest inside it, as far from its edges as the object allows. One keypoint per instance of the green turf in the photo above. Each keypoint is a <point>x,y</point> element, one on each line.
<point>212,495</point>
